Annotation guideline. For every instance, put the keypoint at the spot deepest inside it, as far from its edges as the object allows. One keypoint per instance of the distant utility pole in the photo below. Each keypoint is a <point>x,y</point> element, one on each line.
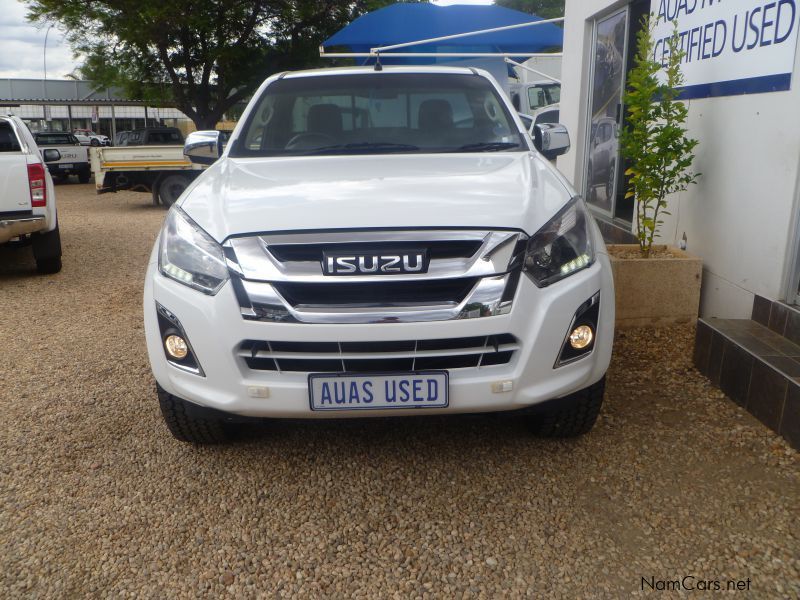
<point>44,54</point>
<point>44,83</point>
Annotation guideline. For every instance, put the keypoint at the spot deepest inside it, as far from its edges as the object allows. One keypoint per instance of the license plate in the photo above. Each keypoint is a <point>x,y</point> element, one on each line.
<point>378,391</point>
<point>66,166</point>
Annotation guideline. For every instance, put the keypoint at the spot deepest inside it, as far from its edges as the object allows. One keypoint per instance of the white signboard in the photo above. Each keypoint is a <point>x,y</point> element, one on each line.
<point>732,46</point>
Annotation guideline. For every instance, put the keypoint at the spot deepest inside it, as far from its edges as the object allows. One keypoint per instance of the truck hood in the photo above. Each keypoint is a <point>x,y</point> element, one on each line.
<point>502,190</point>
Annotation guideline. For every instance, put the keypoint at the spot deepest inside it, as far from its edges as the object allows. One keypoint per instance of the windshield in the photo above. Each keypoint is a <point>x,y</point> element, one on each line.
<point>378,113</point>
<point>55,138</point>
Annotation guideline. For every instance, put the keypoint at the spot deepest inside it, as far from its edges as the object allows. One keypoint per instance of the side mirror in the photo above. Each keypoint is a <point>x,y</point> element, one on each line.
<point>203,147</point>
<point>51,155</point>
<point>551,139</point>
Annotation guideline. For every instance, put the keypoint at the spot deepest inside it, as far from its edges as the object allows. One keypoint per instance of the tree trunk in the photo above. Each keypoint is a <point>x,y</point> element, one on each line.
<point>206,122</point>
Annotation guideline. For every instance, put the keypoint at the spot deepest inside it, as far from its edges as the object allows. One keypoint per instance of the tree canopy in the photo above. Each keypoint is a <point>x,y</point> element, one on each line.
<point>547,9</point>
<point>203,55</point>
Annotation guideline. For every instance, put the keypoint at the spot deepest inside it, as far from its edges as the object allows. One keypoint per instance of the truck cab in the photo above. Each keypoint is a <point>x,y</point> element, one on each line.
<point>531,97</point>
<point>152,136</point>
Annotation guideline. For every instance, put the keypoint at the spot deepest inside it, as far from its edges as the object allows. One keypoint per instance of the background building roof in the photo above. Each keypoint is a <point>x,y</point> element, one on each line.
<point>61,91</point>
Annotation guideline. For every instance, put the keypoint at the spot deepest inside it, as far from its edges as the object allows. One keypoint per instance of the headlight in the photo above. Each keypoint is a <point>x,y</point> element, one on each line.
<point>562,247</point>
<point>189,255</point>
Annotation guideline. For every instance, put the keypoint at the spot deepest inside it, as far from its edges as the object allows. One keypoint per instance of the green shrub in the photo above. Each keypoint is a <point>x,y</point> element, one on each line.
<point>654,140</point>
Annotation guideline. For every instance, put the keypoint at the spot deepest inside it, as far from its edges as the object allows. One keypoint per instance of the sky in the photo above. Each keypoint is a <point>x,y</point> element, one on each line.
<point>22,44</point>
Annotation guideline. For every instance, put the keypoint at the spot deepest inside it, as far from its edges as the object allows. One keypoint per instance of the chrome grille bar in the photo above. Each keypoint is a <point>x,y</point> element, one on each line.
<point>481,352</point>
<point>342,355</point>
<point>485,299</point>
<point>471,273</point>
<point>255,262</point>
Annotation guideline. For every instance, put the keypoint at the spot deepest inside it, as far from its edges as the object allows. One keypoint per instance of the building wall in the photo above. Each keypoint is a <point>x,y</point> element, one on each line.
<point>740,217</point>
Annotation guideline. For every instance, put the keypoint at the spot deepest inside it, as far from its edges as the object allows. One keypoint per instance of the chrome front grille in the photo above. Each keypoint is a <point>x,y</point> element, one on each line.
<point>380,293</point>
<point>370,357</point>
<point>470,273</point>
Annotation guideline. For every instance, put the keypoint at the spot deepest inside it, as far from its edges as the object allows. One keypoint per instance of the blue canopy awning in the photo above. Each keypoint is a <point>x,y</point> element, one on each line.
<point>399,23</point>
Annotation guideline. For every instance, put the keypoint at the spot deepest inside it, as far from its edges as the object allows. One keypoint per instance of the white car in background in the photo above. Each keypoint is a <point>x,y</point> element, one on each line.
<point>27,198</point>
<point>603,151</point>
<point>87,137</point>
<point>379,243</point>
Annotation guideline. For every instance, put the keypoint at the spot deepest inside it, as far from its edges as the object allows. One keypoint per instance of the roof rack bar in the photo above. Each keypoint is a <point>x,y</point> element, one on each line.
<point>532,70</point>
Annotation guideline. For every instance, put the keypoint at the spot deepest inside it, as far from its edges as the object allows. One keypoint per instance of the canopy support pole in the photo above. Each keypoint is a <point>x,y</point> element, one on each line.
<point>532,70</point>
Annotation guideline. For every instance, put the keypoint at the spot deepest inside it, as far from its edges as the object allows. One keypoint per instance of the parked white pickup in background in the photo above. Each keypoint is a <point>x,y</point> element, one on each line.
<point>27,197</point>
<point>74,157</point>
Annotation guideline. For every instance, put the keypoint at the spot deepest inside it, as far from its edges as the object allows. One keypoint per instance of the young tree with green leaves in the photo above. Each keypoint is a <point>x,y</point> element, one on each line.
<point>654,140</point>
<point>204,56</point>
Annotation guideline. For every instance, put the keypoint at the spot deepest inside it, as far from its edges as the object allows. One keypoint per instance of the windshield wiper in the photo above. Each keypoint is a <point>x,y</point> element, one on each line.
<point>357,147</point>
<point>487,147</point>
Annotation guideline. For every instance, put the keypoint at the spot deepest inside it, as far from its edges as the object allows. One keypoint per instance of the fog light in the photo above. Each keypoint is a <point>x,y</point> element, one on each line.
<point>581,337</point>
<point>176,347</point>
<point>498,387</point>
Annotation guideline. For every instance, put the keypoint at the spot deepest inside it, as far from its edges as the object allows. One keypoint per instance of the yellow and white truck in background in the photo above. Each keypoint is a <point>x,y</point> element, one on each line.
<point>161,170</point>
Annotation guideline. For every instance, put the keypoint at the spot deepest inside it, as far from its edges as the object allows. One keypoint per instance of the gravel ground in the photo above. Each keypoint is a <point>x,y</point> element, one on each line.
<point>97,500</point>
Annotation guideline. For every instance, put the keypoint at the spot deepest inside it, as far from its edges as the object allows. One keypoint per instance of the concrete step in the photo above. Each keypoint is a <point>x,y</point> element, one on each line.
<point>756,366</point>
<point>778,316</point>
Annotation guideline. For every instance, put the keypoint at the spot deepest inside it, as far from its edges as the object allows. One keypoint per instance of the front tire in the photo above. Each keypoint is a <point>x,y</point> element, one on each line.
<point>186,426</point>
<point>95,142</point>
<point>571,416</point>
<point>610,181</point>
<point>591,192</point>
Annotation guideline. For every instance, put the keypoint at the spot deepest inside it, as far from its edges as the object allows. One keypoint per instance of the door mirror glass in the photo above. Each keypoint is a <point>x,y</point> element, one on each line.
<point>203,147</point>
<point>551,139</point>
<point>51,155</point>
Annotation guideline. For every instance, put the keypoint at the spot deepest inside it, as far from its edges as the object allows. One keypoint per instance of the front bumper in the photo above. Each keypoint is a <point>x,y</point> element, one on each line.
<point>539,319</point>
<point>75,169</point>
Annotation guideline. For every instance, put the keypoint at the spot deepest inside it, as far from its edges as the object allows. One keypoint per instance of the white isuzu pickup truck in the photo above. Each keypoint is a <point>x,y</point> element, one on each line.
<point>378,243</point>
<point>27,197</point>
